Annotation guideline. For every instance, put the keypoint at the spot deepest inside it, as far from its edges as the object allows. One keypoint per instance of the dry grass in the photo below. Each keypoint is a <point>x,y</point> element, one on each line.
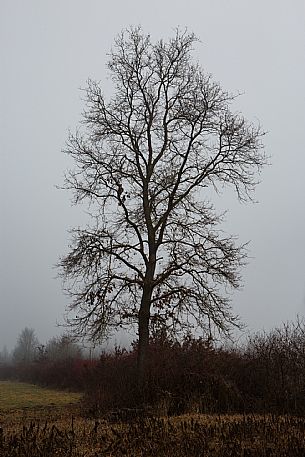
<point>57,428</point>
<point>57,433</point>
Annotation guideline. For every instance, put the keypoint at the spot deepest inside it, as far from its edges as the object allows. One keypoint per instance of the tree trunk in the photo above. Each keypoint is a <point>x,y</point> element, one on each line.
<point>143,328</point>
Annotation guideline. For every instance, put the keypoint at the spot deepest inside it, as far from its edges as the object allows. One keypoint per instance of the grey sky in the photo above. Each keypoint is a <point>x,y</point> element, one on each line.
<point>48,50</point>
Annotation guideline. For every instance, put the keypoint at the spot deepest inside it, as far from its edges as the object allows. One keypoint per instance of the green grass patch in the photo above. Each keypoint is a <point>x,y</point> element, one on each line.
<point>17,395</point>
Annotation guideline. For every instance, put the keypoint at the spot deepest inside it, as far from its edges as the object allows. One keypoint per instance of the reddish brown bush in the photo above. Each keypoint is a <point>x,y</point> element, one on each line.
<point>266,375</point>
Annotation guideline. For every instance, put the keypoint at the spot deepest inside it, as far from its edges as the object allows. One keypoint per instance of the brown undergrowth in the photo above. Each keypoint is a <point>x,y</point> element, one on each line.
<point>39,433</point>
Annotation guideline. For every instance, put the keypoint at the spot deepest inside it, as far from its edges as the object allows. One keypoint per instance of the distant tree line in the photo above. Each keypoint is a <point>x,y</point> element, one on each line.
<point>57,363</point>
<point>28,349</point>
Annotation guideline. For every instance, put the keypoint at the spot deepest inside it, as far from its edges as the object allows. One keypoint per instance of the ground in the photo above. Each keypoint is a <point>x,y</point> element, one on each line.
<point>41,422</point>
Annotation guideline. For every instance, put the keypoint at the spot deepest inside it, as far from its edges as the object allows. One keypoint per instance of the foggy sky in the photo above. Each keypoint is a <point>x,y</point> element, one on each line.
<point>49,49</point>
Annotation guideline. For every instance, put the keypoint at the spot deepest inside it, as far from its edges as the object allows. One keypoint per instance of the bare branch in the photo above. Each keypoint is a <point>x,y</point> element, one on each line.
<point>142,160</point>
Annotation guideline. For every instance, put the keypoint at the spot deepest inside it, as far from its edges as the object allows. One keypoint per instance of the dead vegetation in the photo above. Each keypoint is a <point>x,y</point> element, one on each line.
<point>199,400</point>
<point>190,435</point>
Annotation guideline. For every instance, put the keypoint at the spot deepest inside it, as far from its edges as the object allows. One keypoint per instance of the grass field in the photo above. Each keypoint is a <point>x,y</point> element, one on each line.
<point>40,422</point>
<point>18,395</point>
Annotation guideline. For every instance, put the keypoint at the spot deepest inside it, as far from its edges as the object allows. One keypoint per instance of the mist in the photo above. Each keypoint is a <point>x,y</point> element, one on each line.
<point>49,50</point>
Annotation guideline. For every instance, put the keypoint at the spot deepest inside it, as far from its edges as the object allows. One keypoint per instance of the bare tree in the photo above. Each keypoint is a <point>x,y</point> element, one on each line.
<point>26,347</point>
<point>144,161</point>
<point>62,348</point>
<point>5,356</point>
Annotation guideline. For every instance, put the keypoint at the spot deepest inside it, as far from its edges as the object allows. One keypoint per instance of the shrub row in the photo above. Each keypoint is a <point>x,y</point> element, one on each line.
<point>71,374</point>
<point>266,375</point>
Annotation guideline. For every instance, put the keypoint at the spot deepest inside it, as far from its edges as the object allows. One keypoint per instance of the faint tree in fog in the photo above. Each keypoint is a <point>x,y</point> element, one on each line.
<point>5,355</point>
<point>145,162</point>
<point>26,347</point>
<point>62,348</point>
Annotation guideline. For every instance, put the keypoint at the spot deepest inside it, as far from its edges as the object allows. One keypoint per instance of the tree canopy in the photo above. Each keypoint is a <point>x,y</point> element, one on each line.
<point>145,158</point>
